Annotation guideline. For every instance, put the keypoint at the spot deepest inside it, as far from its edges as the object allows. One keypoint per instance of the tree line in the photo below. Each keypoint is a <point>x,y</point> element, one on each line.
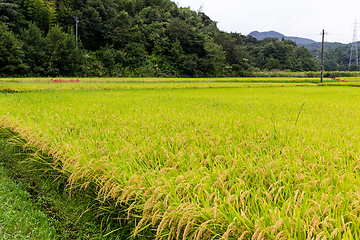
<point>132,38</point>
<point>336,59</point>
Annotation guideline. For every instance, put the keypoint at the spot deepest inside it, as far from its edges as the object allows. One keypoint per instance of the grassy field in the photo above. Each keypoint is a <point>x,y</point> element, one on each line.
<point>210,162</point>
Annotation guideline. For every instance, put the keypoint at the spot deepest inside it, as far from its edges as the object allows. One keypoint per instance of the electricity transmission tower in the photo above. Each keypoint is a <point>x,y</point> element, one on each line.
<point>354,55</point>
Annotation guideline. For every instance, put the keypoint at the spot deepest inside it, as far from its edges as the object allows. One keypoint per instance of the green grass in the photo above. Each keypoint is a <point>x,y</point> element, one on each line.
<point>36,204</point>
<point>19,217</point>
<point>207,163</point>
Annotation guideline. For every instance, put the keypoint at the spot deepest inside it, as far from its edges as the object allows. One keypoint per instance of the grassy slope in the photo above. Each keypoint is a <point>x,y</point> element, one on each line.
<point>19,216</point>
<point>35,206</point>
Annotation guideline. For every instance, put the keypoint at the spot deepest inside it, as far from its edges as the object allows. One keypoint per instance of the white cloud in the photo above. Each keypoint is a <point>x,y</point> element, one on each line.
<point>304,18</point>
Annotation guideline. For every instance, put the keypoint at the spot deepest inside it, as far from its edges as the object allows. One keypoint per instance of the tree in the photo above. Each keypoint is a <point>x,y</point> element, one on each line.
<point>11,53</point>
<point>305,62</point>
<point>8,11</point>
<point>190,40</point>
<point>235,54</point>
<point>65,58</point>
<point>135,54</point>
<point>151,37</point>
<point>214,63</point>
<point>10,14</point>
<point>35,55</point>
<point>44,13</point>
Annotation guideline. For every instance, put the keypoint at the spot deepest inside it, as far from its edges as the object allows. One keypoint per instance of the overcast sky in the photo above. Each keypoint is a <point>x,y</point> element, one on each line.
<point>304,18</point>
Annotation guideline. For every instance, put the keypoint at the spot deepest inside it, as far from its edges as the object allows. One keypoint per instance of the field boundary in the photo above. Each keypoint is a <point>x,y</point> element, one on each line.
<point>38,169</point>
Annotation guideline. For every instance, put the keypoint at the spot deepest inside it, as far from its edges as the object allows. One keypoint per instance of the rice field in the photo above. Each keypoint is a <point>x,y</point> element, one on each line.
<point>51,84</point>
<point>206,159</point>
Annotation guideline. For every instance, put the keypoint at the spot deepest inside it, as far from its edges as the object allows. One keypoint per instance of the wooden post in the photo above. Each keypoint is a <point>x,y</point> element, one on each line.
<point>322,56</point>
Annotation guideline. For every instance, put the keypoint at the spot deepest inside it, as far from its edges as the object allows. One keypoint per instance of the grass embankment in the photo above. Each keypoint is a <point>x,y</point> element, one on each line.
<point>35,202</point>
<point>19,218</point>
<point>207,163</point>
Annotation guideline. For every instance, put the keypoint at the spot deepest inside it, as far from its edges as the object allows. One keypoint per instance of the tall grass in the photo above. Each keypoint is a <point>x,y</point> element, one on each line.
<point>233,163</point>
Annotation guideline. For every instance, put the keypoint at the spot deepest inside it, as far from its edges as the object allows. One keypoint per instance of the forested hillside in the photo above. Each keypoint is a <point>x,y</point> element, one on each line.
<point>336,56</point>
<point>131,38</point>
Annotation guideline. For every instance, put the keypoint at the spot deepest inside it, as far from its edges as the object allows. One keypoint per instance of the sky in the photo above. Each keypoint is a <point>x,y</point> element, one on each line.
<point>305,18</point>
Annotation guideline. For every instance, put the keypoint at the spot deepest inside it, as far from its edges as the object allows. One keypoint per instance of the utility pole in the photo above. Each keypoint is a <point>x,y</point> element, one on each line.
<point>76,29</point>
<point>322,55</point>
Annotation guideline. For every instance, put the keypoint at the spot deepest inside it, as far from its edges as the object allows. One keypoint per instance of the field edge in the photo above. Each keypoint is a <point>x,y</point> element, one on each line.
<point>76,213</point>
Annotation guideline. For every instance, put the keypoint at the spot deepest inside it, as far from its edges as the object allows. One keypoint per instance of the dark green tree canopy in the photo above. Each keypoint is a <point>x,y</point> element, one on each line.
<point>132,38</point>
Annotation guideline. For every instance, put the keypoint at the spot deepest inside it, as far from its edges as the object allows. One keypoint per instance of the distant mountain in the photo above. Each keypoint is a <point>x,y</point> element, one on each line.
<point>272,34</point>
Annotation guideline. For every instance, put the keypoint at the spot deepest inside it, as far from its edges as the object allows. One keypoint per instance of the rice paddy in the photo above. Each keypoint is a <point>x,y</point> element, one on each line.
<point>50,84</point>
<point>203,159</point>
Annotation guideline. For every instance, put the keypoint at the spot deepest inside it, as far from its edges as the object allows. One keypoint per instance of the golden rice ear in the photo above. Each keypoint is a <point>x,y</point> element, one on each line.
<point>225,236</point>
<point>139,226</point>
<point>201,231</point>
<point>189,227</point>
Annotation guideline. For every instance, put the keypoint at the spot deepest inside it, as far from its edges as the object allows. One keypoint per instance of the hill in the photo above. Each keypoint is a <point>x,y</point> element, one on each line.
<point>272,34</point>
<point>131,38</point>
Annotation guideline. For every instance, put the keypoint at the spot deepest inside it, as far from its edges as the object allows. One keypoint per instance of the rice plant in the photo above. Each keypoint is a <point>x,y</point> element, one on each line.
<point>211,163</point>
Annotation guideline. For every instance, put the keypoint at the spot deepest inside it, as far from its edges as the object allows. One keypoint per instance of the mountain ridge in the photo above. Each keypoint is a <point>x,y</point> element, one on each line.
<point>273,34</point>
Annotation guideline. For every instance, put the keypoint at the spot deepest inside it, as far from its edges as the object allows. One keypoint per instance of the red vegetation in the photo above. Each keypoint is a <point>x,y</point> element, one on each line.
<point>66,81</point>
<point>338,80</point>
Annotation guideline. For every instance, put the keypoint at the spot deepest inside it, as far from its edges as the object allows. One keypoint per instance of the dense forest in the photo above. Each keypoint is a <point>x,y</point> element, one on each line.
<point>132,38</point>
<point>336,56</point>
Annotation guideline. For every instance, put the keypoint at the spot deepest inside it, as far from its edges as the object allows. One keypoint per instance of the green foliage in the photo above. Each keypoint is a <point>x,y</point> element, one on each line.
<point>41,11</point>
<point>65,58</point>
<point>135,54</point>
<point>53,54</point>
<point>11,53</point>
<point>336,56</point>
<point>35,54</point>
<point>214,63</point>
<point>154,37</point>
<point>10,14</point>
<point>271,53</point>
